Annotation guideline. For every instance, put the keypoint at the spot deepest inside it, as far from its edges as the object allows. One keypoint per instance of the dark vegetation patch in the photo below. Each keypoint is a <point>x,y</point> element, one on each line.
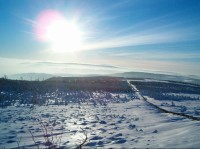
<point>62,90</point>
<point>163,90</point>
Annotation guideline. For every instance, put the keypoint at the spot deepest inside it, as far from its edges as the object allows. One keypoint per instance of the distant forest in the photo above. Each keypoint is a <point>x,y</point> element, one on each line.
<point>110,84</point>
<point>62,90</point>
<point>163,90</point>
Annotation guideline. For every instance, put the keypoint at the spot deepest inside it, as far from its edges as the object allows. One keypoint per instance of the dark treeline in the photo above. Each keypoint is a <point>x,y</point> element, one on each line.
<point>74,84</point>
<point>108,84</point>
<point>61,90</point>
<point>163,90</point>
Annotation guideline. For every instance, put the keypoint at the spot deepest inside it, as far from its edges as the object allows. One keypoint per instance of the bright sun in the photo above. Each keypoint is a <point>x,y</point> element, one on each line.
<point>62,35</point>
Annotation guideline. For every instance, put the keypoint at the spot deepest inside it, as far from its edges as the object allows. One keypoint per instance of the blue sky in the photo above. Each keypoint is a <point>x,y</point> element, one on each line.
<point>138,35</point>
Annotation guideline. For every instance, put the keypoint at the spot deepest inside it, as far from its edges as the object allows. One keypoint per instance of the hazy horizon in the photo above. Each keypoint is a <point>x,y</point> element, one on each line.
<point>63,69</point>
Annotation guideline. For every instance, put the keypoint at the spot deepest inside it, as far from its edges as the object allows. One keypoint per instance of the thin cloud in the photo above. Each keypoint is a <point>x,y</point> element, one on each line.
<point>161,56</point>
<point>157,35</point>
<point>133,40</point>
<point>67,64</point>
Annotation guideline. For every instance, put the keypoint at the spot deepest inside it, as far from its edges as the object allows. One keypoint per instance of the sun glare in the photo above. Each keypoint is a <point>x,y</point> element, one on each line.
<point>61,34</point>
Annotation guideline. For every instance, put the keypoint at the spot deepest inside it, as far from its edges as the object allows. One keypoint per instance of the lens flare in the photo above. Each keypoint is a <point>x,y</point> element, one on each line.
<point>61,34</point>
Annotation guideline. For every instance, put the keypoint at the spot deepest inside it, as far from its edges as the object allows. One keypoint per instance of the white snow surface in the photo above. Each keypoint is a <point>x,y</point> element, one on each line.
<point>185,95</point>
<point>116,125</point>
<point>190,107</point>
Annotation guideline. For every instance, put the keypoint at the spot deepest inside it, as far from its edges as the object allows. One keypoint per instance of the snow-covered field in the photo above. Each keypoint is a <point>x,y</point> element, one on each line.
<point>116,125</point>
<point>184,98</point>
<point>190,107</point>
<point>108,117</point>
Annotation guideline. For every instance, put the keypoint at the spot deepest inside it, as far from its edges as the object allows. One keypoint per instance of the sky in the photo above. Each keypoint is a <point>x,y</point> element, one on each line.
<point>99,36</point>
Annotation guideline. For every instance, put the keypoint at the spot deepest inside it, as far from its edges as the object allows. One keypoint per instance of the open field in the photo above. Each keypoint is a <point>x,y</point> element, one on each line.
<point>108,110</point>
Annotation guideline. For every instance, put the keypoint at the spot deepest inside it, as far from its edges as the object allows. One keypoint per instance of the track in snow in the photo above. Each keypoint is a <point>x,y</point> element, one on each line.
<point>133,87</point>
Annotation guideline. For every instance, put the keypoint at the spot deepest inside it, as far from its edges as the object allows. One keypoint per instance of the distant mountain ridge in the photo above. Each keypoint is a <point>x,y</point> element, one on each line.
<point>146,75</point>
<point>43,76</point>
<point>31,76</point>
<point>139,75</point>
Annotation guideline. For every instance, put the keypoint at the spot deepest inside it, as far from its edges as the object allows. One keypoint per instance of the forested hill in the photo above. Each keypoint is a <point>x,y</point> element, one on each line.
<point>111,84</point>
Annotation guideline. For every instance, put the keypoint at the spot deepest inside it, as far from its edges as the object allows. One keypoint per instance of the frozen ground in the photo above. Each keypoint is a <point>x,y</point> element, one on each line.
<point>186,103</point>
<point>118,119</point>
<point>190,107</point>
<point>116,125</point>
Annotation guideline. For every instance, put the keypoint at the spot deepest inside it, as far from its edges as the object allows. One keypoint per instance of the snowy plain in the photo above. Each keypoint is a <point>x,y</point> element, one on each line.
<point>185,98</point>
<point>116,125</point>
<point>116,120</point>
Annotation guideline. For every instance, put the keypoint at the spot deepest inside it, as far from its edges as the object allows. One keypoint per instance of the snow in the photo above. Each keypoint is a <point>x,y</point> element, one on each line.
<point>185,103</point>
<point>148,80</point>
<point>185,95</point>
<point>190,107</point>
<point>116,125</point>
<point>110,120</point>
